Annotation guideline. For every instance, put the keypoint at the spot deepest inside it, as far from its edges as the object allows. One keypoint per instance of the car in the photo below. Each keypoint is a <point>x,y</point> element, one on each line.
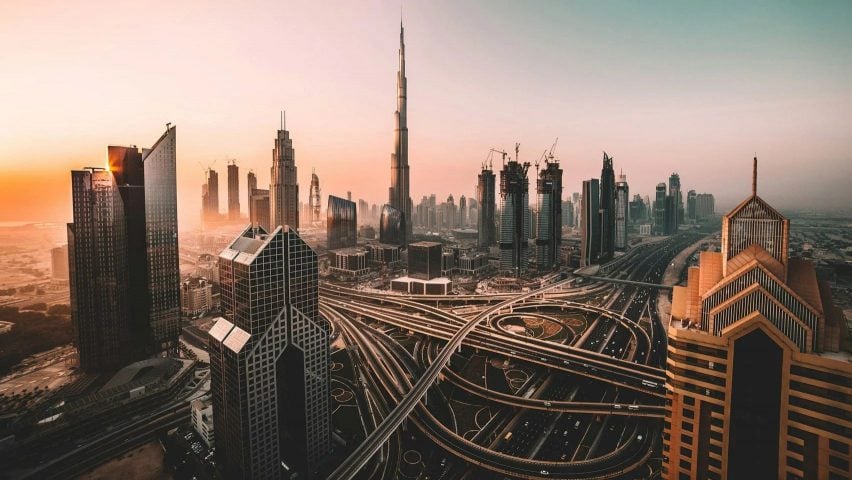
<point>544,472</point>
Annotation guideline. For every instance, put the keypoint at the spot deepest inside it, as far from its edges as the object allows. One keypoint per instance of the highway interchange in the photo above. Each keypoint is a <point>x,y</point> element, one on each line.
<point>590,407</point>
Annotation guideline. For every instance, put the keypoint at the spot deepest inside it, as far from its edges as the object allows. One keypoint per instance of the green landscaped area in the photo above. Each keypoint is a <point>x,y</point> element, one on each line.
<point>32,332</point>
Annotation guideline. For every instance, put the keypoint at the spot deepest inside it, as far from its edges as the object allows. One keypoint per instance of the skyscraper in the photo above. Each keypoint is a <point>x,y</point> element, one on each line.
<point>638,212</point>
<point>705,205</point>
<point>750,391</point>
<point>269,359</point>
<point>233,191</point>
<point>487,221</point>
<point>690,205</point>
<point>607,204</point>
<point>622,212</point>
<point>210,196</point>
<point>123,256</point>
<point>161,227</point>
<point>259,208</point>
<point>391,225</point>
<point>341,223</point>
<point>514,216</point>
<point>462,223</point>
<point>677,198</point>
<point>251,184</point>
<point>315,198</point>
<point>98,276</point>
<point>284,189</point>
<point>399,190</point>
<point>549,226</point>
<point>660,210</point>
<point>590,223</point>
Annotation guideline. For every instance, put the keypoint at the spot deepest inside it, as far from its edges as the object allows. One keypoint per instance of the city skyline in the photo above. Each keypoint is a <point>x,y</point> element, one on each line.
<point>687,124</point>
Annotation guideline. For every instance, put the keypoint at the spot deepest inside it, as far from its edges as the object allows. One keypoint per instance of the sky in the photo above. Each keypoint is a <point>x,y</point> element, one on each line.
<point>693,87</point>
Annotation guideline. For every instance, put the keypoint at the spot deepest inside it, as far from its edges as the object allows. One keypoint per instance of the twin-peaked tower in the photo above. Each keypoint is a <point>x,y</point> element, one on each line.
<point>399,197</point>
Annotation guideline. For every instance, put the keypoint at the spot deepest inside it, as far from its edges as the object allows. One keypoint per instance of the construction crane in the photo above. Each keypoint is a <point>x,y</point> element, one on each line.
<point>208,167</point>
<point>491,153</point>
<point>550,156</point>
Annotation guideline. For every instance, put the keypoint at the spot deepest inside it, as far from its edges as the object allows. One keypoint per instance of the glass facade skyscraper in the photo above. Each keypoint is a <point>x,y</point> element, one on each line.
<point>607,209</point>
<point>161,233</point>
<point>514,218</point>
<point>391,226</point>
<point>341,223</point>
<point>549,226</point>
<point>98,272</point>
<point>123,256</point>
<point>590,223</point>
<point>269,359</point>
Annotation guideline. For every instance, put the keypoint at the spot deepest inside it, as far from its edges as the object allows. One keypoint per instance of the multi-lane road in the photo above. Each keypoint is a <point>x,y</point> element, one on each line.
<point>599,394</point>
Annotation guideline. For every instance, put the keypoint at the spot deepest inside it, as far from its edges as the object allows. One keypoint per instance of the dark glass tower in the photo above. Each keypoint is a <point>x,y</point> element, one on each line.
<point>674,191</point>
<point>341,223</point>
<point>269,359</point>
<point>124,242</point>
<point>515,217</point>
<point>660,209</point>
<point>233,191</point>
<point>284,188</point>
<point>98,271</point>
<point>549,225</point>
<point>485,196</point>
<point>399,195</point>
<point>391,226</point>
<point>590,223</point>
<point>210,196</point>
<point>161,227</point>
<point>251,185</point>
<point>607,204</point>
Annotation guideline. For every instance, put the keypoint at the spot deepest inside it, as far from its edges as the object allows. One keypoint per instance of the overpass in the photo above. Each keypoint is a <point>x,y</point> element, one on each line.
<point>626,282</point>
<point>374,441</point>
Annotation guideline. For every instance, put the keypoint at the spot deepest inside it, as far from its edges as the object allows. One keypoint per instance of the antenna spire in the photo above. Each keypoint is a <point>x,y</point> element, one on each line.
<point>754,177</point>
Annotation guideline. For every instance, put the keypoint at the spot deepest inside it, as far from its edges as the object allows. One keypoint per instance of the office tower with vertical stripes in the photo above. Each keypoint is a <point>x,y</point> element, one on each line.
<point>755,387</point>
<point>590,223</point>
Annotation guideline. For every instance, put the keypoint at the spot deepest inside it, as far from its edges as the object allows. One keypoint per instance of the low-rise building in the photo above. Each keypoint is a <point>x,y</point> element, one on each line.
<point>381,254</point>
<point>472,263</point>
<point>349,262</point>
<point>202,420</point>
<point>416,286</point>
<point>196,297</point>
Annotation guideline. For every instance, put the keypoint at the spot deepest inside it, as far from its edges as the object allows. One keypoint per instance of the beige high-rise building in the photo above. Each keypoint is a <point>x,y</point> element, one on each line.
<point>757,383</point>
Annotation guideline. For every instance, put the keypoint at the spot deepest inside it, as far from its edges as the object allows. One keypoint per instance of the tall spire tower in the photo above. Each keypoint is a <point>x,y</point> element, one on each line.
<point>283,188</point>
<point>399,191</point>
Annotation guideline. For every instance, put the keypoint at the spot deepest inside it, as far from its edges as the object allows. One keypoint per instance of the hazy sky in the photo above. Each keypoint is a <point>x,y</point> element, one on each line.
<point>691,87</point>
